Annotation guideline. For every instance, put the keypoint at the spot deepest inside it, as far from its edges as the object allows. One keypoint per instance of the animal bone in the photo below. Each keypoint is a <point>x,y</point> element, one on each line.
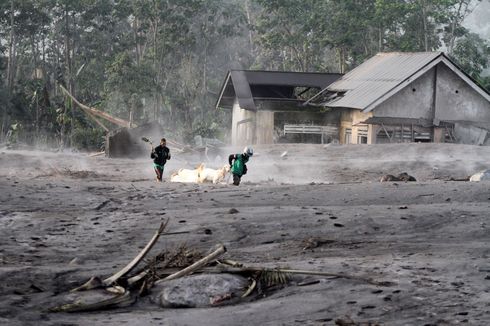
<point>95,282</point>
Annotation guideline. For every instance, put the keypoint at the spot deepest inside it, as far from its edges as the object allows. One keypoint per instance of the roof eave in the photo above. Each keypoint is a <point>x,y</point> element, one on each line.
<point>403,83</point>
<point>467,78</point>
<point>223,88</point>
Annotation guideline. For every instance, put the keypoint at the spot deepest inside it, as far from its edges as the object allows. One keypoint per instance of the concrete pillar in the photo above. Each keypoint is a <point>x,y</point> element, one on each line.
<point>264,127</point>
<point>242,125</point>
<point>439,135</point>
<point>372,129</point>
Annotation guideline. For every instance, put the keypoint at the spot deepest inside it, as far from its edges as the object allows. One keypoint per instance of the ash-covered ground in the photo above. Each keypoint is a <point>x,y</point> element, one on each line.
<point>66,217</point>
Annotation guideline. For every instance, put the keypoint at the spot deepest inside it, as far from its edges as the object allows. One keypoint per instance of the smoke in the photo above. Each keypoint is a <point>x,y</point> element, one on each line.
<point>271,164</point>
<point>306,163</point>
<point>478,21</point>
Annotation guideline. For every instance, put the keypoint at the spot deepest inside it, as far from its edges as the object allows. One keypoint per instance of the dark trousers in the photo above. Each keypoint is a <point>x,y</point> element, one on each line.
<point>236,179</point>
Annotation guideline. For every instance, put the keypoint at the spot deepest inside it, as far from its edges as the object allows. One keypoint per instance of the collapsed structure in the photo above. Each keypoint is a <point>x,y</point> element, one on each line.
<point>265,103</point>
<point>392,97</point>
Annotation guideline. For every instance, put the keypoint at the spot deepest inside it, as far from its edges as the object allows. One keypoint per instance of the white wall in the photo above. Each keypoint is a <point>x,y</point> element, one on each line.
<point>242,133</point>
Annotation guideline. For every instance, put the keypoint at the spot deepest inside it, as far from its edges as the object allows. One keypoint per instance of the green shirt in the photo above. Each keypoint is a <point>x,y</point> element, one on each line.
<point>238,164</point>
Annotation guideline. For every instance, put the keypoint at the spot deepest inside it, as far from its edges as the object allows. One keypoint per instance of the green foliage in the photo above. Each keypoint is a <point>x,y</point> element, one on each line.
<point>485,82</point>
<point>87,138</point>
<point>165,60</point>
<point>472,53</point>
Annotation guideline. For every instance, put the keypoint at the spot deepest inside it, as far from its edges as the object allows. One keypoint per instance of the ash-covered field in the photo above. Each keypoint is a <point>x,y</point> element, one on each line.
<point>66,217</point>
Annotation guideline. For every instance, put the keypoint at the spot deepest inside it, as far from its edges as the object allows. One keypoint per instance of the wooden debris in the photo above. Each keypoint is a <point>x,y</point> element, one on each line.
<point>197,265</point>
<point>170,265</point>
<point>95,282</point>
<point>97,154</point>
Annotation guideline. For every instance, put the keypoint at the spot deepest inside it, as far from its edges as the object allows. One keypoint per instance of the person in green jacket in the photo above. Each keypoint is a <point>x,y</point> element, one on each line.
<point>237,164</point>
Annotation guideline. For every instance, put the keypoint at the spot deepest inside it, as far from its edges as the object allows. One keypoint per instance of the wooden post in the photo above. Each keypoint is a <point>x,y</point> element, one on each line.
<point>386,132</point>
<point>439,134</point>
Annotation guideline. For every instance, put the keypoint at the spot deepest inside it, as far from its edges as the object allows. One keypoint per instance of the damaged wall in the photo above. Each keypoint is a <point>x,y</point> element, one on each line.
<point>452,100</point>
<point>124,142</point>
<point>468,134</point>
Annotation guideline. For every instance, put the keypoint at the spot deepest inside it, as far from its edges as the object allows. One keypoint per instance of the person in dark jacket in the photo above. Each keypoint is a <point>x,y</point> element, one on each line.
<point>160,155</point>
<point>238,165</point>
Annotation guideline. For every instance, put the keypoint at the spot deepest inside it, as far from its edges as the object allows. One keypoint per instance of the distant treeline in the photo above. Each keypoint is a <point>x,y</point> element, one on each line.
<point>165,60</point>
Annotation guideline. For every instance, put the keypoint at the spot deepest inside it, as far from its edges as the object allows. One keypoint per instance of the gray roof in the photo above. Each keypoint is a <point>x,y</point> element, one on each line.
<point>376,77</point>
<point>384,75</point>
<point>247,86</point>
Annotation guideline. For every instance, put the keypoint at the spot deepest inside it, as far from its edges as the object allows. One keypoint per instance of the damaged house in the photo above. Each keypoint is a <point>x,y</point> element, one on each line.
<point>392,97</point>
<point>408,97</point>
<point>269,105</point>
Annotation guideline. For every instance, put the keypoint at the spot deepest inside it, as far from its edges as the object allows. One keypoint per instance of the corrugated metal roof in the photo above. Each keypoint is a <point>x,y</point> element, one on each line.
<point>376,77</point>
<point>240,84</point>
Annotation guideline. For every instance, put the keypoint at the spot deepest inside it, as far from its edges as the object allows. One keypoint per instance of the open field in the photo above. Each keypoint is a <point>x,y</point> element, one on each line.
<point>66,217</point>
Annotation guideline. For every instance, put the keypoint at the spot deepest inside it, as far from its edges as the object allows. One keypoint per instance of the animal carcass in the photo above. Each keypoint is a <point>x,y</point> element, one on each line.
<point>187,175</point>
<point>214,175</point>
<point>401,177</point>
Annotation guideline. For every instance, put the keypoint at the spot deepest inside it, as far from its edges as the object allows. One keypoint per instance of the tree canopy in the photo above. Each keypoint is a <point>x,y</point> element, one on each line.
<point>165,60</point>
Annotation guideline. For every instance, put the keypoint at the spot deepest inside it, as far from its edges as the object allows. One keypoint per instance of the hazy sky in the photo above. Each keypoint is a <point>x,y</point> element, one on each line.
<point>479,20</point>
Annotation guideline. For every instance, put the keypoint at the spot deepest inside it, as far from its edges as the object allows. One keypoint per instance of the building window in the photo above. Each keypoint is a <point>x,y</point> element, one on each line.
<point>362,139</point>
<point>362,134</point>
<point>348,136</point>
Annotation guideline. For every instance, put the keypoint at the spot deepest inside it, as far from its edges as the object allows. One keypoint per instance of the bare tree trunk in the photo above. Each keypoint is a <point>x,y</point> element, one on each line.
<point>341,55</point>
<point>36,77</point>
<point>156,104</point>
<point>424,24</point>
<point>68,102</point>
<point>204,68</point>
<point>10,71</point>
<point>136,40</point>
<point>68,78</point>
<point>380,39</point>
<point>462,12</point>
<point>11,58</point>
<point>250,35</point>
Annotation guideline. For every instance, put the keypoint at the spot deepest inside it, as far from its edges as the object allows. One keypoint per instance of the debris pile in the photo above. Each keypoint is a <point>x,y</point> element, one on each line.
<point>401,177</point>
<point>214,281</point>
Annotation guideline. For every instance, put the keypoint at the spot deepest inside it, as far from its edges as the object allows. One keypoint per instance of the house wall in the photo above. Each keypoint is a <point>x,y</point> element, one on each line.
<point>242,133</point>
<point>416,100</point>
<point>456,100</point>
<point>351,120</point>
<point>265,127</point>
<point>249,127</point>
